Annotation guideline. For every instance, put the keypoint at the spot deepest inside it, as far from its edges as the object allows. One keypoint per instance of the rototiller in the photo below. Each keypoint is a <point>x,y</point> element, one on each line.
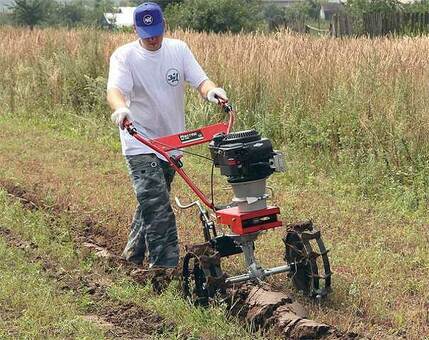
<point>247,160</point>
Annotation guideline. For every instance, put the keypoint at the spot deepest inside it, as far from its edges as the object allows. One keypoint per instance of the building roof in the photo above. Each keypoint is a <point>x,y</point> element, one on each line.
<point>124,17</point>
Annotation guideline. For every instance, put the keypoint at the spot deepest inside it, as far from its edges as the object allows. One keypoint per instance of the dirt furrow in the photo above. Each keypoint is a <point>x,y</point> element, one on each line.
<point>121,320</point>
<point>260,306</point>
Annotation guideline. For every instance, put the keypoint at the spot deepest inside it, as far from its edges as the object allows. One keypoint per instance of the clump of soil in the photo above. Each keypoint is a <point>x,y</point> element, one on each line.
<point>264,308</point>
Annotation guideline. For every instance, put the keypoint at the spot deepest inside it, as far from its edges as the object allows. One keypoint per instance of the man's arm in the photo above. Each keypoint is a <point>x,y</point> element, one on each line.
<point>116,99</point>
<point>210,91</point>
<point>205,87</point>
<point>117,102</point>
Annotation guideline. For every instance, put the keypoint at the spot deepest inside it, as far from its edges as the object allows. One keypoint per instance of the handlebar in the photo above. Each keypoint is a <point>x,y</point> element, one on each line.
<point>225,106</point>
<point>186,206</point>
<point>185,139</point>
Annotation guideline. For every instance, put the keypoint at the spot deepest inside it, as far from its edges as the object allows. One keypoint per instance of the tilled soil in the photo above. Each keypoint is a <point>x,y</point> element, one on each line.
<point>263,307</point>
<point>124,320</point>
<point>260,306</point>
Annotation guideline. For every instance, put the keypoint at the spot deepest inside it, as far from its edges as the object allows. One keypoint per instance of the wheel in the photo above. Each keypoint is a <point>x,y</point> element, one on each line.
<point>202,278</point>
<point>194,281</point>
<point>310,270</point>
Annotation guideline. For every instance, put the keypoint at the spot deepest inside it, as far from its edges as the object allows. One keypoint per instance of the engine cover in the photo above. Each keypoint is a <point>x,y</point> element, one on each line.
<point>242,156</point>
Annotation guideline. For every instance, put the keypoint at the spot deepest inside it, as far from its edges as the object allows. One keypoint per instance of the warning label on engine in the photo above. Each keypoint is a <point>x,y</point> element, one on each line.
<point>191,136</point>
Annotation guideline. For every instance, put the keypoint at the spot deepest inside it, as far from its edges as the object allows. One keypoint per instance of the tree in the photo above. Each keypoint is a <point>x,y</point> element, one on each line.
<point>359,7</point>
<point>308,9</point>
<point>28,12</point>
<point>417,7</point>
<point>275,17</point>
<point>71,13</point>
<point>165,3</point>
<point>216,15</point>
<point>94,15</point>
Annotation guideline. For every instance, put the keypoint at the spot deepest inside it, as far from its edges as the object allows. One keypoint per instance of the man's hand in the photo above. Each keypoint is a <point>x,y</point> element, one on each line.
<point>119,115</point>
<point>215,94</point>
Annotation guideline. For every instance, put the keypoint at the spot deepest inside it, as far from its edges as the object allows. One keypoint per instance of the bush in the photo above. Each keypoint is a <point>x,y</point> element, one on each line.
<point>163,3</point>
<point>360,7</point>
<point>216,15</point>
<point>417,7</point>
<point>71,13</point>
<point>293,16</point>
<point>275,17</point>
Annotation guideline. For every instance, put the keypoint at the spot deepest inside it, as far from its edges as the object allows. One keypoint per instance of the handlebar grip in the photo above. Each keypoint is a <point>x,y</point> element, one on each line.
<point>129,126</point>
<point>226,107</point>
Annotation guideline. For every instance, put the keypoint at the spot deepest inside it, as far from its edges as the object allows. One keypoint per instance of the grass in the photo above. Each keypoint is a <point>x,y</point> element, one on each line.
<point>350,115</point>
<point>211,323</point>
<point>32,304</point>
<point>369,240</point>
<point>356,106</point>
<point>31,307</point>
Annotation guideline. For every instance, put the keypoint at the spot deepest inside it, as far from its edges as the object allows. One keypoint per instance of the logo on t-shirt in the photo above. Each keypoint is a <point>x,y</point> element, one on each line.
<point>172,77</point>
<point>148,19</point>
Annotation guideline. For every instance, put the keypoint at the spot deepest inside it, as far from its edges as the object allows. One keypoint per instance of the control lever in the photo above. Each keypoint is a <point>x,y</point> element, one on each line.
<point>207,223</point>
<point>187,206</point>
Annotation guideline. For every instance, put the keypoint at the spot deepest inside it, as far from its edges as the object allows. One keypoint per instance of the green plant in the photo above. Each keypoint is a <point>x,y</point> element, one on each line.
<point>28,12</point>
<point>215,15</point>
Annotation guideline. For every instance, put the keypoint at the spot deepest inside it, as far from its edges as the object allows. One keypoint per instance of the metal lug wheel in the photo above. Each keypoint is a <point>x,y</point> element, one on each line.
<point>202,278</point>
<point>310,269</point>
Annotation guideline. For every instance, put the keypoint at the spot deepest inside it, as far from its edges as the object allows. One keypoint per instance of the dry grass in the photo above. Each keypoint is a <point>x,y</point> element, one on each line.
<point>356,100</point>
<point>352,114</point>
<point>379,258</point>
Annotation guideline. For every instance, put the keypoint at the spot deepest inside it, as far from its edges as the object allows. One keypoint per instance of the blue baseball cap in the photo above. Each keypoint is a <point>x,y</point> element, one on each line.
<point>148,20</point>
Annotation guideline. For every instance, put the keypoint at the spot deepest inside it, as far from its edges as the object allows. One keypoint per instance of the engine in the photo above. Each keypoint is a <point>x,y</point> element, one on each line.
<point>247,160</point>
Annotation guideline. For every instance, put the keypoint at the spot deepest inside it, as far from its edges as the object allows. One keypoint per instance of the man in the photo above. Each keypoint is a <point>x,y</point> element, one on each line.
<point>146,85</point>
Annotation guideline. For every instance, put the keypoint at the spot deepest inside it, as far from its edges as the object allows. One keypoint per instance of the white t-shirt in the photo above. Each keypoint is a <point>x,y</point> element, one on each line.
<point>153,83</point>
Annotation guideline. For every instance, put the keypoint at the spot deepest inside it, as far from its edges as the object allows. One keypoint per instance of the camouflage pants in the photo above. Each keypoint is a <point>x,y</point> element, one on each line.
<point>154,224</point>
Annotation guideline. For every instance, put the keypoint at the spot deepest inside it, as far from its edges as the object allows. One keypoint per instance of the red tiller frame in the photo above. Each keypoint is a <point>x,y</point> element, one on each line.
<point>249,222</point>
<point>183,140</point>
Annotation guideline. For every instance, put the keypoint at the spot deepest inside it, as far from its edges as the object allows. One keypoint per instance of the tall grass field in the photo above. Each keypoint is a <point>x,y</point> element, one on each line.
<point>358,107</point>
<point>351,115</point>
